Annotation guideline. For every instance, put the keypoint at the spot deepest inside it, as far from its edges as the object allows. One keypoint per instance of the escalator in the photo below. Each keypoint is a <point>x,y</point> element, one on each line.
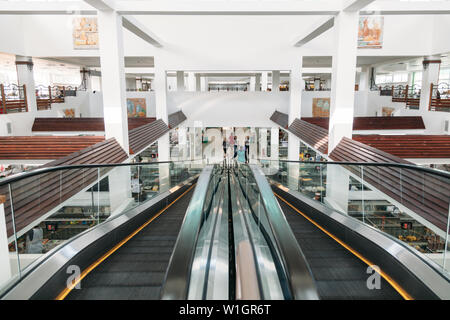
<point>224,235</point>
<point>338,273</point>
<point>136,270</point>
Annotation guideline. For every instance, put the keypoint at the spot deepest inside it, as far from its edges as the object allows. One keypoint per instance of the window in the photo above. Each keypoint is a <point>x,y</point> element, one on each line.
<point>444,76</point>
<point>400,77</point>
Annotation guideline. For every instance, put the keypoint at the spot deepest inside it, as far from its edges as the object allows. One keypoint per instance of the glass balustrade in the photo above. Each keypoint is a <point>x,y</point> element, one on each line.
<point>47,208</point>
<point>410,204</point>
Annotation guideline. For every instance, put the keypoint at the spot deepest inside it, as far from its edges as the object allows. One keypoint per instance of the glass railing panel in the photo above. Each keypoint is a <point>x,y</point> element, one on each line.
<point>51,208</point>
<point>405,203</point>
<point>9,246</point>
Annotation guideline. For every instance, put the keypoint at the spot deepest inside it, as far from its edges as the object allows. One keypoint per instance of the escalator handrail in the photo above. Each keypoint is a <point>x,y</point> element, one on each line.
<point>176,282</point>
<point>38,171</point>
<point>297,269</point>
<point>440,173</point>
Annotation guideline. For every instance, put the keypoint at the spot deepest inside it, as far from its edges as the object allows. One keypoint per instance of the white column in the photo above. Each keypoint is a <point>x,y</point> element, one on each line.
<point>25,77</point>
<point>160,87</point>
<point>180,80</point>
<point>296,85</point>
<point>86,77</point>
<point>5,263</point>
<point>337,189</point>
<point>328,83</point>
<point>316,84</point>
<point>198,83</point>
<point>262,143</point>
<point>119,180</point>
<point>131,83</point>
<point>364,79</point>
<point>252,83</point>
<point>113,77</point>
<point>430,75</point>
<point>274,143</point>
<point>258,82</point>
<point>203,84</point>
<point>264,80</point>
<point>139,84</point>
<point>191,81</point>
<point>276,81</point>
<point>182,143</point>
<point>343,77</point>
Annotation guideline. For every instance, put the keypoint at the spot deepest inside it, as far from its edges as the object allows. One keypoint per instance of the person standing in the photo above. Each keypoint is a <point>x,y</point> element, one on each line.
<point>224,146</point>
<point>235,147</point>
<point>247,149</point>
<point>34,240</point>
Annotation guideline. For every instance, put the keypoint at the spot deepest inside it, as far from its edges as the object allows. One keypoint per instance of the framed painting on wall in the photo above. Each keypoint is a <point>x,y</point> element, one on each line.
<point>370,32</point>
<point>85,33</point>
<point>321,107</point>
<point>136,108</point>
<point>69,113</point>
<point>387,111</point>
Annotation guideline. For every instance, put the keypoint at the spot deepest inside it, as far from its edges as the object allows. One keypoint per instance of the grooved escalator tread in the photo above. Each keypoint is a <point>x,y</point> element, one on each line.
<point>136,270</point>
<point>338,273</point>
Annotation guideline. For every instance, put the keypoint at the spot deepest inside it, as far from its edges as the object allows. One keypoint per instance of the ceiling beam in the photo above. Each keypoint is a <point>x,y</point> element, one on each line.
<point>101,5</point>
<point>356,5</point>
<point>323,25</point>
<point>131,24</point>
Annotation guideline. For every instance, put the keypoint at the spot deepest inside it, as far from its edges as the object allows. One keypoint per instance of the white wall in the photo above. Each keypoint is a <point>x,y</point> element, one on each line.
<point>440,37</point>
<point>219,109</point>
<point>12,39</point>
<point>51,35</point>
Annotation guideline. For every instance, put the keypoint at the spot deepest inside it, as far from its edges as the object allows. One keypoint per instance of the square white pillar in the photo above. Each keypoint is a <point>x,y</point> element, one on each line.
<point>5,263</point>
<point>316,84</point>
<point>113,77</point>
<point>160,87</point>
<point>252,83</point>
<point>296,86</point>
<point>203,84</point>
<point>343,77</point>
<point>274,143</point>
<point>180,80</point>
<point>25,76</point>
<point>191,82</point>
<point>430,75</point>
<point>264,80</point>
<point>258,82</point>
<point>276,81</point>
<point>198,83</point>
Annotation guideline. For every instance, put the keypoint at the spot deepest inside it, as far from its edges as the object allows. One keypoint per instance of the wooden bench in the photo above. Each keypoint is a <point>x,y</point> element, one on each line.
<point>375,123</point>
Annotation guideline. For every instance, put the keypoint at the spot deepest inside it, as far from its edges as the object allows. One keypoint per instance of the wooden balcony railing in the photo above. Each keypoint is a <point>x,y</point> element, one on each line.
<point>440,97</point>
<point>13,98</point>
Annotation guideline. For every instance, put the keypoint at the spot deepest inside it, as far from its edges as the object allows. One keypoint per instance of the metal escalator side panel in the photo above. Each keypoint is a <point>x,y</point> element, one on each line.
<point>296,267</point>
<point>176,284</point>
<point>248,284</point>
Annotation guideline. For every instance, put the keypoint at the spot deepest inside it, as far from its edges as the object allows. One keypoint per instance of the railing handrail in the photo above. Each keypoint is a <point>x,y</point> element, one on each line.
<point>176,282</point>
<point>38,171</point>
<point>370,164</point>
<point>297,269</point>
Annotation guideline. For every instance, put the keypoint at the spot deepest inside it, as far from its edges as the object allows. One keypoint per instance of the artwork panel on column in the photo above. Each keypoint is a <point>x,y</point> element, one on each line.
<point>136,107</point>
<point>85,33</point>
<point>321,107</point>
<point>370,33</point>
